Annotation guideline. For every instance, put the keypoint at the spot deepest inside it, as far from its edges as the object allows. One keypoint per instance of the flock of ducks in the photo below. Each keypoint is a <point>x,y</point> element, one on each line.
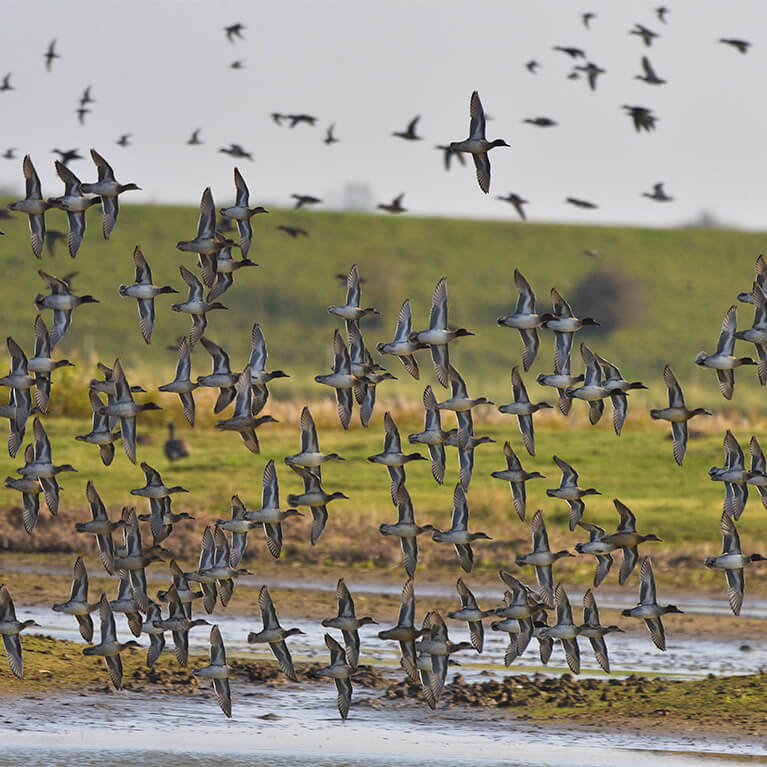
<point>355,375</point>
<point>354,378</point>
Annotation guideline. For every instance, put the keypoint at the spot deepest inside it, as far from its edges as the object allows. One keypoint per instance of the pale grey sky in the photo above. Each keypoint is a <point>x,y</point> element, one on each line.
<point>158,70</point>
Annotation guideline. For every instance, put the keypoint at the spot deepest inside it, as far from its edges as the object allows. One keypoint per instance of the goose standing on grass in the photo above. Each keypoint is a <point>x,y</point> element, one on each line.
<point>594,631</point>
<point>459,534</point>
<point>352,309</point>
<point>757,334</point>
<point>569,491</point>
<point>310,456</point>
<point>723,360</point>
<point>144,291</point>
<point>196,306</point>
<point>564,324</point>
<point>392,456</point>
<point>617,386</point>
<point>242,421</point>
<point>126,410</point>
<point>259,376</point>
<point>565,629</point>
<point>648,607</point>
<point>43,469</point>
<point>677,413</point>
<point>523,409</point>
<point>516,476</point>
<point>62,301</point>
<point>218,671</point>
<point>174,447</point>
<point>30,490</point>
<point>314,497</point>
<point>405,631</point>
<point>732,560</point>
<point>78,604</point>
<point>179,624</point>
<point>108,188</point>
<point>101,526</point>
<point>406,529</point>
<point>542,558</point>
<point>242,213</point>
<point>274,634</point>
<point>348,623</point>
<point>599,548</point>
<point>471,613</point>
<point>525,319</point>
<point>270,513</point>
<point>402,346</point>
<point>477,145</point>
<point>592,391</point>
<point>42,365</point>
<point>340,672</point>
<point>10,628</point>
<point>182,383</point>
<point>109,648</point>
<point>341,379</point>
<point>734,476</point>
<point>34,206</point>
<point>433,435</point>
<point>627,538</point>
<point>439,335</point>
<point>75,203</point>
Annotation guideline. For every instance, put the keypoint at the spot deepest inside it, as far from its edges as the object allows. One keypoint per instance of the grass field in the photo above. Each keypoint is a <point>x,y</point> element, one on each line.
<point>681,505</point>
<point>660,295</point>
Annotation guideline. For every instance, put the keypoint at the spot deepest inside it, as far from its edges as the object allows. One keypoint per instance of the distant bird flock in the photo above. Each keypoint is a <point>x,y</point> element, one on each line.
<point>354,378</point>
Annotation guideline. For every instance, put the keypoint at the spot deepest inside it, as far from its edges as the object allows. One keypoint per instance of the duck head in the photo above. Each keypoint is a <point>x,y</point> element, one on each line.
<point>497,142</point>
<point>701,358</point>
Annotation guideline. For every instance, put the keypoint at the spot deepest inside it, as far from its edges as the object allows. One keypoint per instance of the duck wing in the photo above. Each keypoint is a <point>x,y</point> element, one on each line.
<point>726,343</point>
<point>284,659</point>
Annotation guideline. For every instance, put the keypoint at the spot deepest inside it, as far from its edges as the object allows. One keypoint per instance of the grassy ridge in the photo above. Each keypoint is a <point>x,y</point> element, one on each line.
<point>675,288</point>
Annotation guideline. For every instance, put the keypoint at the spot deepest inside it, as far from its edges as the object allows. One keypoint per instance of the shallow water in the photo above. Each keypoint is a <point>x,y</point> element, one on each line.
<point>98,729</point>
<point>128,728</point>
<point>685,656</point>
